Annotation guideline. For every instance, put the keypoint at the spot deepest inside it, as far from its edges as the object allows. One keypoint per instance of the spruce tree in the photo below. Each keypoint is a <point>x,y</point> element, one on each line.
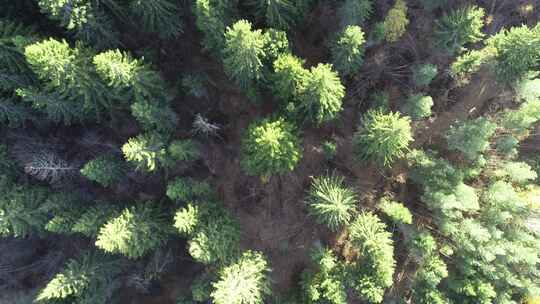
<point>289,78</point>
<point>462,26</point>
<point>158,16</point>
<point>105,170</point>
<point>418,106</point>
<point>325,283</point>
<point>147,152</point>
<point>243,54</point>
<point>471,137</point>
<point>270,147</point>
<point>137,230</point>
<point>355,12</point>
<point>348,50</point>
<point>244,281</point>
<point>396,21</point>
<point>88,222</point>
<point>279,14</point>
<point>212,19</point>
<point>153,116</point>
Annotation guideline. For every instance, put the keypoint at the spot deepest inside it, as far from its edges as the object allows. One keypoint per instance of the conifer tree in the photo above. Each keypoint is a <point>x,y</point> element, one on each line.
<point>423,74</point>
<point>279,14</point>
<point>270,147</point>
<point>462,26</point>
<point>383,137</point>
<point>395,23</point>
<point>418,106</point>
<point>158,16</point>
<point>213,234</point>
<point>471,137</point>
<point>187,189</point>
<point>105,170</point>
<point>88,222</point>
<point>212,19</point>
<point>348,50</point>
<point>244,281</point>
<point>396,211</point>
<point>136,231</point>
<point>146,151</point>
<point>243,54</point>
<point>323,96</point>
<point>153,116</point>
<point>355,12</point>
<point>87,279</point>
<point>326,283</point>
<point>289,78</point>
<point>183,150</point>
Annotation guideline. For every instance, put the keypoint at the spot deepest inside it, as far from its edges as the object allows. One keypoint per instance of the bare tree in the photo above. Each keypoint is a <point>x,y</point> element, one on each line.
<point>202,126</point>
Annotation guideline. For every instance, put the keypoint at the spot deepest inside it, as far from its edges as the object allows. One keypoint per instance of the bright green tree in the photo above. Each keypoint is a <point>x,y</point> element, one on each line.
<point>289,78</point>
<point>213,234</point>
<point>331,202</point>
<point>471,137</point>
<point>355,12</point>
<point>147,152</point>
<point>462,26</point>
<point>106,170</point>
<point>245,281</point>
<point>243,54</point>
<point>348,50</point>
<point>87,279</point>
<point>418,106</point>
<point>322,99</point>
<point>325,283</point>
<point>372,273</point>
<point>135,232</point>
<point>396,211</point>
<point>270,147</point>
<point>93,218</point>
<point>276,43</point>
<point>158,16</point>
<point>396,21</point>
<point>383,137</point>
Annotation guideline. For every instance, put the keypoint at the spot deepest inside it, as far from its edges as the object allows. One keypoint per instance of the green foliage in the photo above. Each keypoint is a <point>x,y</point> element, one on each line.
<point>331,202</point>
<point>154,116</point>
<point>146,151</point>
<point>183,150</point>
<point>276,43</point>
<point>462,26</point>
<point>8,169</point>
<point>89,222</point>
<point>431,5</point>
<point>519,121</point>
<point>423,74</point>
<point>517,172</point>
<point>187,189</point>
<point>471,137</point>
<point>213,234</point>
<point>374,270</point>
<point>289,77</point>
<point>383,137</point>
<point>528,88</point>
<point>325,283</point>
<point>212,17</point>
<point>279,14</point>
<point>381,101</point>
<point>418,106</point>
<point>395,23</point>
<point>355,12</point>
<point>270,147</point>
<point>396,211</point>
<point>20,213</point>
<point>158,16</point>
<point>507,145</point>
<point>88,279</point>
<point>136,231</point>
<point>516,52</point>
<point>243,54</point>
<point>323,96</point>
<point>329,149</point>
<point>469,63</point>
<point>106,170</point>
<point>201,288</point>
<point>85,19</point>
<point>71,89</point>
<point>348,50</point>
<point>245,281</point>
<point>433,173</point>
<point>13,113</point>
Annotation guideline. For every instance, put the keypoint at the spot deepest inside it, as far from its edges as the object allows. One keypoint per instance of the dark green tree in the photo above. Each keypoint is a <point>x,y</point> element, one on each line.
<point>212,19</point>
<point>93,218</point>
<point>462,26</point>
<point>418,106</point>
<point>348,50</point>
<point>137,230</point>
<point>243,54</point>
<point>423,74</point>
<point>331,202</point>
<point>383,137</point>
<point>270,147</point>
<point>158,16</point>
<point>471,137</point>
<point>244,281</point>
<point>183,150</point>
<point>153,116</point>
<point>106,170</point>
<point>279,14</point>
<point>187,189</point>
<point>355,12</point>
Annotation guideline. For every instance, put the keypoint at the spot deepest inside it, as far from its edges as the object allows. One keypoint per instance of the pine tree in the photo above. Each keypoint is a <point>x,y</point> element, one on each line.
<point>348,50</point>
<point>331,202</point>
<point>86,19</point>
<point>88,279</point>
<point>243,54</point>
<point>146,151</point>
<point>136,231</point>
<point>323,96</point>
<point>395,23</point>
<point>244,281</point>
<point>383,137</point>
<point>213,234</point>
<point>355,12</point>
<point>270,147</point>
<point>158,16</point>
<point>105,170</point>
<point>462,26</point>
<point>471,137</point>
